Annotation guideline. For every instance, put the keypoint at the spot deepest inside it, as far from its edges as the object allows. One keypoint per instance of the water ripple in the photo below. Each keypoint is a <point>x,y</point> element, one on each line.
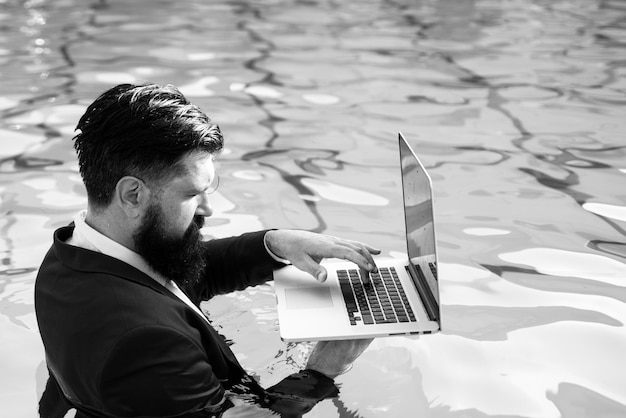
<point>564,263</point>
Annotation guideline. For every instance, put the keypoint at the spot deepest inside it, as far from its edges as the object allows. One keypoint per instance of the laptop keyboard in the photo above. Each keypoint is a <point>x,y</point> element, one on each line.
<point>433,269</point>
<point>381,301</point>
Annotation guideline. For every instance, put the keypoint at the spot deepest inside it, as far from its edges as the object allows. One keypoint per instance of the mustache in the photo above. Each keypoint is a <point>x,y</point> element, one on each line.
<point>198,221</point>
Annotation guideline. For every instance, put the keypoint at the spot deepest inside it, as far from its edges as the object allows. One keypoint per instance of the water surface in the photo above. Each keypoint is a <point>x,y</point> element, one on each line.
<point>516,108</point>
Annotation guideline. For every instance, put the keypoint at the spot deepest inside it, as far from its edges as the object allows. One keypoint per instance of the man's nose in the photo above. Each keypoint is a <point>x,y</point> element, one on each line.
<point>204,207</point>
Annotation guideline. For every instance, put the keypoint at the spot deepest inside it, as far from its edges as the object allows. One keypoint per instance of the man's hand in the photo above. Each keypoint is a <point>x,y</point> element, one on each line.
<point>306,249</point>
<point>333,358</point>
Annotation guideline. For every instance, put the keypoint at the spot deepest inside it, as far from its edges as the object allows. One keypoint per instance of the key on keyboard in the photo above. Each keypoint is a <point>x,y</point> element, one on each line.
<point>433,269</point>
<point>380,301</point>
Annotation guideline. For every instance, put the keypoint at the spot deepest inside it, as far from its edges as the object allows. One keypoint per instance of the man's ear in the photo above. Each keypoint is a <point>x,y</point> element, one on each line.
<point>132,195</point>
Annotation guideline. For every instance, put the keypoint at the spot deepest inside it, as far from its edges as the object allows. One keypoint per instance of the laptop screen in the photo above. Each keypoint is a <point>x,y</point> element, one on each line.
<point>419,220</point>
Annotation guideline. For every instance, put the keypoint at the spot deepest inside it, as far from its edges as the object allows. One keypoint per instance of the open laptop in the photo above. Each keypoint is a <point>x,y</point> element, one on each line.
<point>402,299</point>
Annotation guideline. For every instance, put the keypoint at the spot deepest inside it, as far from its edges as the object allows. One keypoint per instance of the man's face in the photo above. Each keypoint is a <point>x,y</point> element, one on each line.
<point>186,195</point>
<point>169,236</point>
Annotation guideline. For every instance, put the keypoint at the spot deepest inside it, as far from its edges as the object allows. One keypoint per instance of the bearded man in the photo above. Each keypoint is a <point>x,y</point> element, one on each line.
<point>118,295</point>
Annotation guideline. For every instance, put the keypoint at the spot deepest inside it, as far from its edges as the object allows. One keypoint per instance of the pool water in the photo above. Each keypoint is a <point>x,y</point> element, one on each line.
<point>516,107</point>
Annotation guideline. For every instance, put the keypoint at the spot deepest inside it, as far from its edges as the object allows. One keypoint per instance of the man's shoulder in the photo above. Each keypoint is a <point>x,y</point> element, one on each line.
<point>67,261</point>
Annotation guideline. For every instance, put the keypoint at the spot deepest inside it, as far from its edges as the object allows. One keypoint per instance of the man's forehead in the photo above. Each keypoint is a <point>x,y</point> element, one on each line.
<point>198,161</point>
<point>196,167</point>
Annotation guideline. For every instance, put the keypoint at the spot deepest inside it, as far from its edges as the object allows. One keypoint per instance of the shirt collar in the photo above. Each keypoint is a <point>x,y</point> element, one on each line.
<point>87,237</point>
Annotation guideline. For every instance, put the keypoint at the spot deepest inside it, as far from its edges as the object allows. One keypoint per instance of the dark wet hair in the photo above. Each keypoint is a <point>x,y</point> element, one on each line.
<point>142,131</point>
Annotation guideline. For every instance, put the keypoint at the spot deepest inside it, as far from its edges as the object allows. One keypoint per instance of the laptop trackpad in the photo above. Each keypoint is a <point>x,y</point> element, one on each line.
<point>308,298</point>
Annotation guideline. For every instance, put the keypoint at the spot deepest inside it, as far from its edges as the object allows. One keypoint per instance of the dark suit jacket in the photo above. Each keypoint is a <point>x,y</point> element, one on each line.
<point>120,344</point>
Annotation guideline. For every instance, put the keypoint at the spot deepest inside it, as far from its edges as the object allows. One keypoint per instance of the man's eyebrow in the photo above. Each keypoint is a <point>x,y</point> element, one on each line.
<point>200,186</point>
<point>196,186</point>
<point>198,189</point>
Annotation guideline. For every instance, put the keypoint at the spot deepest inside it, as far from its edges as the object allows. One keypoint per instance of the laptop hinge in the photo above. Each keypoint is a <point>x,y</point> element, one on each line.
<point>428,299</point>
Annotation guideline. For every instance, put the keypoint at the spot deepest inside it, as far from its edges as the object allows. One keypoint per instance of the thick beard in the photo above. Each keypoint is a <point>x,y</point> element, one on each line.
<point>178,259</point>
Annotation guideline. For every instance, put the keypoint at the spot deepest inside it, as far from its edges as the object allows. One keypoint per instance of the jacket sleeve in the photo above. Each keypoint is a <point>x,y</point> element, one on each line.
<point>157,371</point>
<point>53,403</point>
<point>234,264</point>
<point>298,393</point>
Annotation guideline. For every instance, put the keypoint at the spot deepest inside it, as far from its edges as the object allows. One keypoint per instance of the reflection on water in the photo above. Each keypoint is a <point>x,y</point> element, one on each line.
<point>516,108</point>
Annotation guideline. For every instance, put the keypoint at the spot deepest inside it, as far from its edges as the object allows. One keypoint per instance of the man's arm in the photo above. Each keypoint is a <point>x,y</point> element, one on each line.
<point>233,264</point>
<point>238,262</point>
<point>298,393</point>
<point>306,249</point>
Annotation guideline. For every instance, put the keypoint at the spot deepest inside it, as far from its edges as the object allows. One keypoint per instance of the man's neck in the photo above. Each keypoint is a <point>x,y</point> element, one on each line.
<point>111,225</point>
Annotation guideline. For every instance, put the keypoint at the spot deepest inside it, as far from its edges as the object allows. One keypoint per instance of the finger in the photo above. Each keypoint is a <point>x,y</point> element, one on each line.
<point>355,256</point>
<point>365,250</point>
<point>371,250</point>
<point>321,275</point>
<point>368,256</point>
<point>309,265</point>
<point>365,276</point>
<point>368,248</point>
